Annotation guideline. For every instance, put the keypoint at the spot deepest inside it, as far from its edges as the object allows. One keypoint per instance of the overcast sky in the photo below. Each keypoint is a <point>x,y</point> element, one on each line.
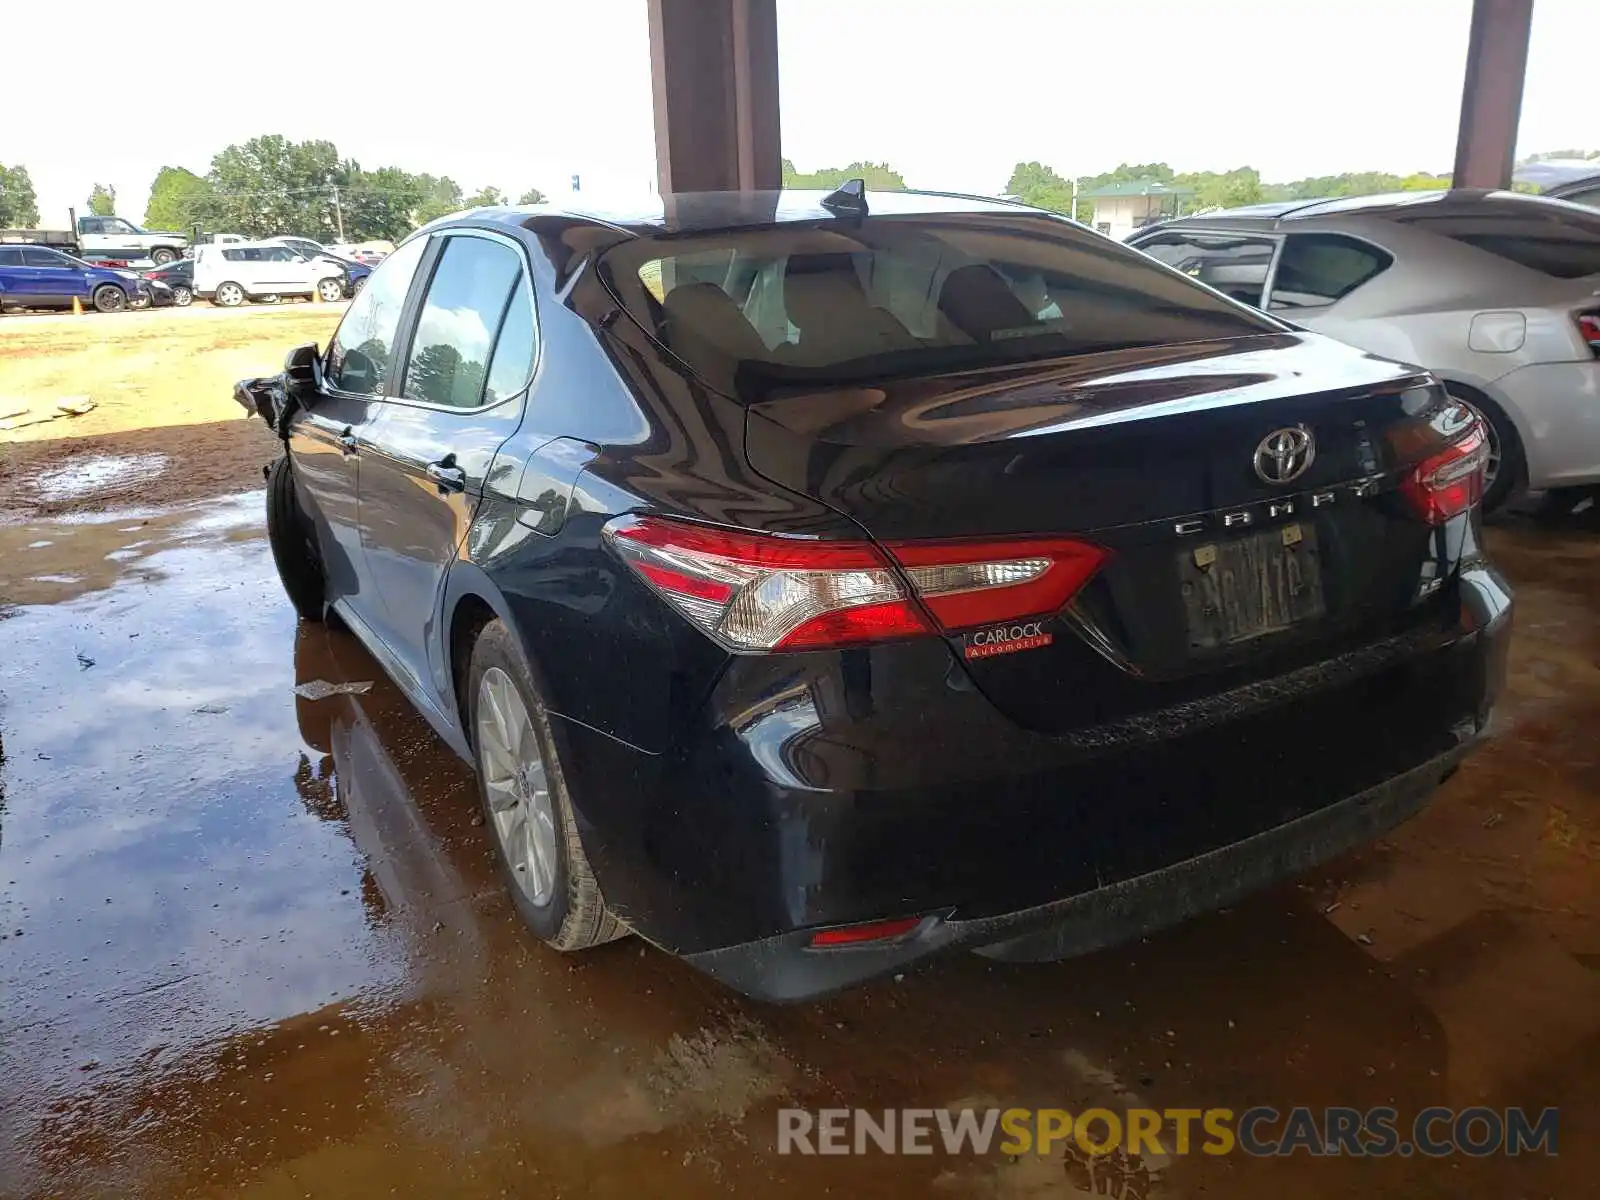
<point>950,93</point>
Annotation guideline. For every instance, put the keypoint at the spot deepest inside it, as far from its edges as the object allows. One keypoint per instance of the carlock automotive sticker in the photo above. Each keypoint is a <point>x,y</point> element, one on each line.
<point>1006,639</point>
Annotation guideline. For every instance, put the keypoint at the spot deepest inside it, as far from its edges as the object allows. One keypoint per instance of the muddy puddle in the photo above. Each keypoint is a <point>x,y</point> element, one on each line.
<point>251,944</point>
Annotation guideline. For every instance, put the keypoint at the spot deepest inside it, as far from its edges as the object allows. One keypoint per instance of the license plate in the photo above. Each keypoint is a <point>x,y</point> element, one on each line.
<point>1241,589</point>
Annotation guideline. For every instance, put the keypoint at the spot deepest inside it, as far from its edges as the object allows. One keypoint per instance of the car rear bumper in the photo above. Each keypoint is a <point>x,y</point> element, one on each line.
<point>785,968</point>
<point>827,789</point>
<point>1557,410</point>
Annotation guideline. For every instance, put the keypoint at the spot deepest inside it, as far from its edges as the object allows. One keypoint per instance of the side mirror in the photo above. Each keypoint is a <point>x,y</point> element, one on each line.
<point>302,373</point>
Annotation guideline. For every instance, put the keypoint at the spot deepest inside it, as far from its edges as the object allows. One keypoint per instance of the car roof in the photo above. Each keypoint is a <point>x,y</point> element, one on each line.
<point>698,212</point>
<point>1557,172</point>
<point>1462,201</point>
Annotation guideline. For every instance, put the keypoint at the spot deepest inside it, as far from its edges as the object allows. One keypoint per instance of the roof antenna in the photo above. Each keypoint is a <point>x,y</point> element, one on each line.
<point>848,199</point>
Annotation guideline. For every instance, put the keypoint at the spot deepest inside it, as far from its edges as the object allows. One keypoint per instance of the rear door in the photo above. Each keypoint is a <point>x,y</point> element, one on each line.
<point>458,398</point>
<point>327,439</point>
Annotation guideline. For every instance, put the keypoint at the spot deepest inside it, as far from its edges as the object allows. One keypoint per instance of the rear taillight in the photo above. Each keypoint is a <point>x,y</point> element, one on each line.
<point>1589,328</point>
<point>968,584</point>
<point>757,592</point>
<point>1449,481</point>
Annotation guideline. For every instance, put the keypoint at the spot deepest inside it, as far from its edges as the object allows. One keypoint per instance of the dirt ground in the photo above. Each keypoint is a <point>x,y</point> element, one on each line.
<point>159,381</point>
<point>172,366</point>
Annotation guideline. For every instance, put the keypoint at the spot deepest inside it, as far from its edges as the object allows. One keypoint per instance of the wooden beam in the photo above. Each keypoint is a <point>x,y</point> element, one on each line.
<point>1491,94</point>
<point>714,78</point>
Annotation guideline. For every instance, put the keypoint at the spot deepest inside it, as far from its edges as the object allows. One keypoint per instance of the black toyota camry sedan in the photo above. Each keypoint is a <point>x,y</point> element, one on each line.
<point>822,582</point>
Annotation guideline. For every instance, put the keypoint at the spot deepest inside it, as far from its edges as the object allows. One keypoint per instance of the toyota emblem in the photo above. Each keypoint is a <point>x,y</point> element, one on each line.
<point>1285,454</point>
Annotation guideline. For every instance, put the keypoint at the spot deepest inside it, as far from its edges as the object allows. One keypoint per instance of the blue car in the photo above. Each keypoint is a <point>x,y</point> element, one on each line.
<point>38,277</point>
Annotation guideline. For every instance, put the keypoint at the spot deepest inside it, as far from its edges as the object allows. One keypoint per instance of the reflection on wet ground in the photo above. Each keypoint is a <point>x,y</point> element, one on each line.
<point>253,944</point>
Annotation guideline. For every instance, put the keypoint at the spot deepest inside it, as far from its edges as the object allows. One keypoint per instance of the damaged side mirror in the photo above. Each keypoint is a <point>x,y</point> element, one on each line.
<point>302,374</point>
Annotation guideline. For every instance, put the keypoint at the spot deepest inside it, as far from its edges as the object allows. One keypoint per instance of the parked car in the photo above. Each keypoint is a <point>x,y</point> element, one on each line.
<point>1573,179</point>
<point>104,239</point>
<point>179,276</point>
<point>233,273</point>
<point>355,272</point>
<point>1494,292</point>
<point>39,277</point>
<point>917,572</point>
<point>154,294</point>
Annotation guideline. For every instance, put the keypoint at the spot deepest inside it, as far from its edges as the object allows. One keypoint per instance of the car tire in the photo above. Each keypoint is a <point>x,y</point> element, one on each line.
<point>553,890</point>
<point>330,290</point>
<point>1509,466</point>
<point>163,255</point>
<point>294,544</point>
<point>355,288</point>
<point>109,298</point>
<point>182,296</point>
<point>228,295</point>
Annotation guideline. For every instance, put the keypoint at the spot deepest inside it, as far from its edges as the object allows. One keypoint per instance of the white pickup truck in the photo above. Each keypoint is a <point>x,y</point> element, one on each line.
<point>112,237</point>
<point>105,238</point>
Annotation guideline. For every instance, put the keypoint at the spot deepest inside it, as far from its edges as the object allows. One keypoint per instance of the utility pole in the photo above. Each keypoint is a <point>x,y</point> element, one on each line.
<point>338,213</point>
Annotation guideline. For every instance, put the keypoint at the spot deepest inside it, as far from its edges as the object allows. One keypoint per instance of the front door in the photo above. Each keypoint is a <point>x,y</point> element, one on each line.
<point>327,441</point>
<point>459,398</point>
<point>52,278</point>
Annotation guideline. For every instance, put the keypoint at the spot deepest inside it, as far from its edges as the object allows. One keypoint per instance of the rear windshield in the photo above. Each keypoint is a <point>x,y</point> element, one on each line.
<point>838,301</point>
<point>1543,236</point>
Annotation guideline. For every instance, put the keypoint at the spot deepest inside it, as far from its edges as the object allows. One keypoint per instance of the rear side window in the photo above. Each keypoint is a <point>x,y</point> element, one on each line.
<point>1234,264</point>
<point>824,302</point>
<point>1589,197</point>
<point>1315,269</point>
<point>233,255</point>
<point>10,256</point>
<point>359,356</point>
<point>465,304</point>
<point>1550,238</point>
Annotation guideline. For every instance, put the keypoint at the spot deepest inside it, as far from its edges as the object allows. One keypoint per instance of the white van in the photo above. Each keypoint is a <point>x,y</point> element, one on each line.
<point>232,273</point>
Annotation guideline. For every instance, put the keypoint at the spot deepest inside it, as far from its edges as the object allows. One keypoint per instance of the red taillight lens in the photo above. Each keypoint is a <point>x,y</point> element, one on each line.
<point>758,592</point>
<point>967,584</point>
<point>1450,481</point>
<point>1589,327</point>
<point>753,591</point>
<point>871,931</point>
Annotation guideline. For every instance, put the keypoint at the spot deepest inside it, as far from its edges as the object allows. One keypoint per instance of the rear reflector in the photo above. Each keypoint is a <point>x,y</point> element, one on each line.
<point>1449,481</point>
<point>753,591</point>
<point>1589,327</point>
<point>871,931</point>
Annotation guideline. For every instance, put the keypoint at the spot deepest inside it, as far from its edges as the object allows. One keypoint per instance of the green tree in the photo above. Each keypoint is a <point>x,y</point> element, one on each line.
<point>19,207</point>
<point>379,204</point>
<point>270,185</point>
<point>178,199</point>
<point>437,196</point>
<point>103,200</point>
<point>531,196</point>
<point>489,197</point>
<point>1036,184</point>
<point>1225,189</point>
<point>879,177</point>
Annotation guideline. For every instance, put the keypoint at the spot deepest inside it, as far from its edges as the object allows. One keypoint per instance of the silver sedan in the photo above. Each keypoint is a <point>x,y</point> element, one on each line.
<point>1497,293</point>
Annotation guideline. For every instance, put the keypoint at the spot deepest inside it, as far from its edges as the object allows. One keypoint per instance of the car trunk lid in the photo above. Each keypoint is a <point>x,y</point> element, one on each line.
<point>1247,493</point>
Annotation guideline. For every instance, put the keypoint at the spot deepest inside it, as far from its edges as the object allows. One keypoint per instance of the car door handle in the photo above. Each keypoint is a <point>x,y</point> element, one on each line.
<point>347,441</point>
<point>447,475</point>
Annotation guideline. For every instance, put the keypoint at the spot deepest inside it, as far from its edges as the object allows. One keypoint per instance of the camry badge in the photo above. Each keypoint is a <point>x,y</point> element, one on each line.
<point>1285,454</point>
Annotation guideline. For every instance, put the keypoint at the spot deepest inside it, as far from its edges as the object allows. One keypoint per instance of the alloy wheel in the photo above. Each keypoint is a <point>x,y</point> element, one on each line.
<point>515,780</point>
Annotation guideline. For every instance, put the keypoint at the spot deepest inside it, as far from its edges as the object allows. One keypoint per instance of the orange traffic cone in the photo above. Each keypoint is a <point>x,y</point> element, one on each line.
<point>77,307</point>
